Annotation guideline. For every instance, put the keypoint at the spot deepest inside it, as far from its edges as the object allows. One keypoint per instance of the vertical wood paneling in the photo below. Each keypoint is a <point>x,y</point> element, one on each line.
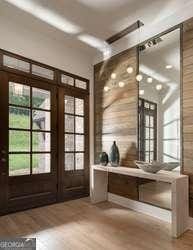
<point>116,115</point>
<point>187,56</point>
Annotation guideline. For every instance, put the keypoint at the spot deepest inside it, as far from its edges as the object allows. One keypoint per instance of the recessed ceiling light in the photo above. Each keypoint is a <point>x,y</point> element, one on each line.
<point>130,70</point>
<point>139,77</point>
<point>113,76</point>
<point>121,84</point>
<point>141,91</point>
<point>149,80</point>
<point>158,86</point>
<point>106,88</point>
<point>169,66</point>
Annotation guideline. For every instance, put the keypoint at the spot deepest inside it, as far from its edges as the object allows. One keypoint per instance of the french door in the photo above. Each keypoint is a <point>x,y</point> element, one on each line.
<point>73,144</point>
<point>44,137</point>
<point>147,127</point>
<point>28,142</point>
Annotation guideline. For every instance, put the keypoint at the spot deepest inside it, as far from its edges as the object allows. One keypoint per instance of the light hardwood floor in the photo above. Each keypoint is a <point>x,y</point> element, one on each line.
<point>80,225</point>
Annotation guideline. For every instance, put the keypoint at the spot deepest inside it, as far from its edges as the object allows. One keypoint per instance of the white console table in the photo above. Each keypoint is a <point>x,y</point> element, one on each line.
<point>179,186</point>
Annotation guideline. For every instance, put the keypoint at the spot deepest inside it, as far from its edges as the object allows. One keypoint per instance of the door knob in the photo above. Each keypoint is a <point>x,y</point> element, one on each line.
<point>3,151</point>
<point>3,160</point>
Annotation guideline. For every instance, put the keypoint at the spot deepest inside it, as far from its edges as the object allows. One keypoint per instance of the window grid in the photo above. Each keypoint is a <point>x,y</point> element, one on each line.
<point>31,152</point>
<point>147,131</point>
<point>74,133</point>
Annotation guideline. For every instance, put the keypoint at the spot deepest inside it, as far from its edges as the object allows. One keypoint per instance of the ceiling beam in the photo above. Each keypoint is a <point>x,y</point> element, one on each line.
<point>125,32</point>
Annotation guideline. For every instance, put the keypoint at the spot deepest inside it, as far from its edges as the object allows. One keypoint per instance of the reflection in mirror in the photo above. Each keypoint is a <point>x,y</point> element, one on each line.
<point>159,112</point>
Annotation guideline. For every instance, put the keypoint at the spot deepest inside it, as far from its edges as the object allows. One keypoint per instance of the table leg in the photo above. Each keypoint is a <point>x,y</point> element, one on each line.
<point>98,185</point>
<point>180,206</point>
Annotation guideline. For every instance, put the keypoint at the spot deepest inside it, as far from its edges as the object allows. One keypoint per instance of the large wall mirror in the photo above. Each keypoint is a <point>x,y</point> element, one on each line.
<point>159,111</point>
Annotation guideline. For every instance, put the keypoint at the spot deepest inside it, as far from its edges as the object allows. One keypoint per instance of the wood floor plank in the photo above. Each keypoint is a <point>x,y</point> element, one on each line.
<point>80,225</point>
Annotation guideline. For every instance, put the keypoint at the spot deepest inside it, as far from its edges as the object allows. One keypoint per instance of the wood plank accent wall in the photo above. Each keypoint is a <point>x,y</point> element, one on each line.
<point>116,113</point>
<point>187,94</point>
<point>116,116</point>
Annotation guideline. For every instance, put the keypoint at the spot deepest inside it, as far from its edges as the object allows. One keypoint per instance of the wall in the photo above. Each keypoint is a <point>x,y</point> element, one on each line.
<point>116,117</point>
<point>178,16</point>
<point>120,122</point>
<point>20,40</point>
<point>188,104</point>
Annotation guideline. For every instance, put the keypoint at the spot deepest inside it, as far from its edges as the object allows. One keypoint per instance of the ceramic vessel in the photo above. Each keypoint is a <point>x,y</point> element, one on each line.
<point>104,159</point>
<point>114,156</point>
<point>153,167</point>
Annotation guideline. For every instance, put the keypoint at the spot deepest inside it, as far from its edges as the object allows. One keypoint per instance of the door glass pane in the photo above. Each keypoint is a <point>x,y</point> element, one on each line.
<point>41,163</point>
<point>69,142</point>
<point>147,133</point>
<point>79,125</point>
<point>79,103</point>
<point>69,123</point>
<point>40,98</point>
<point>151,145</point>
<point>69,161</point>
<point>15,63</point>
<point>19,118</point>
<point>19,141</point>
<point>147,145</point>
<point>79,142</point>
<point>147,120</point>
<point>151,156</point>
<point>146,105</point>
<point>19,164</point>
<point>67,80</point>
<point>147,157</point>
<point>69,104</point>
<point>151,133</point>
<point>152,106</point>
<point>80,84</point>
<point>41,141</point>
<point>41,120</point>
<point>19,94</point>
<point>43,72</point>
<point>151,121</point>
<point>79,161</point>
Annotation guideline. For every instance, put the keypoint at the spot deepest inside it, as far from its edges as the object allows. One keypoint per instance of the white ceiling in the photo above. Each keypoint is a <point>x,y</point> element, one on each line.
<point>86,23</point>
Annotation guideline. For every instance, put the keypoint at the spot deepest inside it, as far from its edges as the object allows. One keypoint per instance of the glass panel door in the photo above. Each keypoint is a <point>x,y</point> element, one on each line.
<point>74,133</point>
<point>147,139</point>
<point>74,145</point>
<point>29,142</point>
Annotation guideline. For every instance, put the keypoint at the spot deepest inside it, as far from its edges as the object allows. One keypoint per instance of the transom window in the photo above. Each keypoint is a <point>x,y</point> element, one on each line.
<point>29,130</point>
<point>74,135</point>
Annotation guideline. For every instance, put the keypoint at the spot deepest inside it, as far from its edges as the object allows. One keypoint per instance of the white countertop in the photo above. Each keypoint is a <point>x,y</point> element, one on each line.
<point>162,175</point>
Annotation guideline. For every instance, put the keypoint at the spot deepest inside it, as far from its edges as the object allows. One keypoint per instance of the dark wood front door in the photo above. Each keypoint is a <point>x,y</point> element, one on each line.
<point>73,144</point>
<point>28,144</point>
<point>44,143</point>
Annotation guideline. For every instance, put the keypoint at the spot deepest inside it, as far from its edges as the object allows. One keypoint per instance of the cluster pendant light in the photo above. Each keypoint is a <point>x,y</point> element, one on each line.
<point>129,70</point>
<point>122,84</point>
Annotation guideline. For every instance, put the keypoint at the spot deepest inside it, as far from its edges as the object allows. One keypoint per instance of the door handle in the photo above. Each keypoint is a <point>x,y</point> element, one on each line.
<point>3,160</point>
<point>3,151</point>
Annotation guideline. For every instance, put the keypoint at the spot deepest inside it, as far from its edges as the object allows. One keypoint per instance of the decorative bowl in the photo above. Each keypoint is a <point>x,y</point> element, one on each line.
<point>153,167</point>
<point>169,166</point>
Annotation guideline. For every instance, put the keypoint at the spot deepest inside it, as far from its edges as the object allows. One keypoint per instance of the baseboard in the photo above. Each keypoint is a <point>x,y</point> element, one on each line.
<point>159,213</point>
